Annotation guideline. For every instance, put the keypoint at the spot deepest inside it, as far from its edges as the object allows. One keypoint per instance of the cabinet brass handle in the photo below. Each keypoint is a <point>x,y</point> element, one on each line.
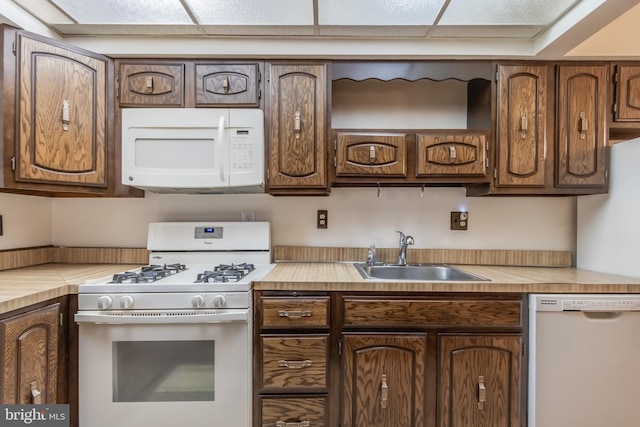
<point>384,392</point>
<point>524,126</point>
<point>452,152</point>
<point>149,82</point>
<point>372,153</point>
<point>584,126</point>
<point>36,396</point>
<point>225,84</point>
<point>482,392</point>
<point>295,364</point>
<point>65,115</point>
<point>304,423</point>
<point>297,125</point>
<point>294,314</point>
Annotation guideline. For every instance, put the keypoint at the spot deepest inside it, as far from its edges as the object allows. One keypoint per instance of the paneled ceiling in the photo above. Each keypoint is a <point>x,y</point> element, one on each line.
<point>414,27</point>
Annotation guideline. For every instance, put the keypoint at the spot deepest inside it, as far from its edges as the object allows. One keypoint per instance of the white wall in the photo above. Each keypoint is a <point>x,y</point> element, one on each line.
<point>608,234</point>
<point>26,221</point>
<point>357,217</point>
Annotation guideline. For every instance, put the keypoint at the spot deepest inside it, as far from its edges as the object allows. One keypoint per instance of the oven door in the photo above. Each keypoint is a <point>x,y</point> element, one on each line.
<point>175,372</point>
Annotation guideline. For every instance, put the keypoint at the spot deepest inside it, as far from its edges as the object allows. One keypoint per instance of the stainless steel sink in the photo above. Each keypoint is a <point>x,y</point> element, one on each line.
<point>416,272</point>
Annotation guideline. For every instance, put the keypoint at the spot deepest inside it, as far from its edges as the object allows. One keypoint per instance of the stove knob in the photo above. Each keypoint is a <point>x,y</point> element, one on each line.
<point>126,301</point>
<point>104,301</point>
<point>197,301</point>
<point>219,301</point>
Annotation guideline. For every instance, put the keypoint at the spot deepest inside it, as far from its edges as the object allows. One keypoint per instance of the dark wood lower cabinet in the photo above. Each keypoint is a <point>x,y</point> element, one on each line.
<point>383,380</point>
<point>479,379</point>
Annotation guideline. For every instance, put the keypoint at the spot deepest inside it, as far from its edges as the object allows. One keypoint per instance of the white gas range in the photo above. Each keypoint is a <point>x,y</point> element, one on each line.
<point>171,343</point>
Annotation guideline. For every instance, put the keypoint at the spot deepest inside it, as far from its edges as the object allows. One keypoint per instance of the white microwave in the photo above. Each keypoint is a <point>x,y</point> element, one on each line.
<point>193,150</point>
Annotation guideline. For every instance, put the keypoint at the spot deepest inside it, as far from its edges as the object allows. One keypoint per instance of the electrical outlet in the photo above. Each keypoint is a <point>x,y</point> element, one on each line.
<point>459,220</point>
<point>248,216</point>
<point>323,219</point>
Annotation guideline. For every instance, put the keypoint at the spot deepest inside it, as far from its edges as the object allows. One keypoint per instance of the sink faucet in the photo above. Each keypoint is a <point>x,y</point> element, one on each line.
<point>404,242</point>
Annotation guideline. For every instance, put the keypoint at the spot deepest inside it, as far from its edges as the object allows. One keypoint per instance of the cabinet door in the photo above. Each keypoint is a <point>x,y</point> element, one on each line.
<point>30,356</point>
<point>451,155</point>
<point>582,126</point>
<point>627,93</point>
<point>145,84</point>
<point>62,116</point>
<point>297,114</point>
<point>522,128</point>
<point>371,154</point>
<point>230,85</point>
<point>383,381</point>
<point>479,383</point>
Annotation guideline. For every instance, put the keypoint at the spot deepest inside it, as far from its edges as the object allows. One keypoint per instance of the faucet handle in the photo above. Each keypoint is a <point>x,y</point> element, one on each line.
<point>402,237</point>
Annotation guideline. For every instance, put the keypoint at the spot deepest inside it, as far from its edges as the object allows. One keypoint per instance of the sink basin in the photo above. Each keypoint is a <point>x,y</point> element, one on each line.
<point>416,272</point>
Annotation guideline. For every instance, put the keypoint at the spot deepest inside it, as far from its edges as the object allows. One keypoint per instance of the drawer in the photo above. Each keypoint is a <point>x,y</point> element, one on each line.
<point>293,312</point>
<point>285,411</point>
<point>403,312</point>
<point>294,363</point>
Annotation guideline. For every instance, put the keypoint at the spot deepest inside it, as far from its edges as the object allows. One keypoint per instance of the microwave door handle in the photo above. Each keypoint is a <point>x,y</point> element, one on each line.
<point>220,145</point>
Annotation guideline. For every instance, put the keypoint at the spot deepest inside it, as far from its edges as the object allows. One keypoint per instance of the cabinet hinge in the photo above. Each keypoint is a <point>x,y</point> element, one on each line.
<point>615,108</point>
<point>340,348</point>
<point>335,162</point>
<point>61,320</point>
<point>268,174</point>
<point>615,77</point>
<point>495,173</point>
<point>497,73</point>
<point>14,48</point>
<point>486,163</point>
<point>523,349</point>
<point>335,145</point>
<point>259,94</point>
<point>259,76</point>
<point>13,163</point>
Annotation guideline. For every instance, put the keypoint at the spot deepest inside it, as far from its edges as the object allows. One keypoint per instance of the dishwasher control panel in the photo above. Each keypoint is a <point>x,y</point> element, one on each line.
<point>578,302</point>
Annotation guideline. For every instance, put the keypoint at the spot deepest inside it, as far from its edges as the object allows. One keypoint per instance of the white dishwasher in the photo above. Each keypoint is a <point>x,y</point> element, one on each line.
<point>584,360</point>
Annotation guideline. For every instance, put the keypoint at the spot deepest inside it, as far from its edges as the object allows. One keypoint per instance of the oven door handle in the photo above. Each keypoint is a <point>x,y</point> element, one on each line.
<point>150,317</point>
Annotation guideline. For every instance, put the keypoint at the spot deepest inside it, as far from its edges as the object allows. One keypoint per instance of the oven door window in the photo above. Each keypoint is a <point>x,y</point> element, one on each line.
<point>163,371</point>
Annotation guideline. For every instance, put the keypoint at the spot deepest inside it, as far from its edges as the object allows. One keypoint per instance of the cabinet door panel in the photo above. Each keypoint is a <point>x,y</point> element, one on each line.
<point>147,84</point>
<point>375,154</point>
<point>522,126</point>
<point>479,382</point>
<point>297,152</point>
<point>62,115</point>
<point>582,130</point>
<point>228,84</point>
<point>383,381</point>
<point>628,93</point>
<point>30,356</point>
<point>460,155</point>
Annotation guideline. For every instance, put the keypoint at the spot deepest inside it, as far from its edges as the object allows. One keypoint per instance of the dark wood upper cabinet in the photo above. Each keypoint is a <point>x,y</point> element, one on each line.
<point>232,85</point>
<point>151,84</point>
<point>627,92</point>
<point>523,132</point>
<point>582,126</point>
<point>371,154</point>
<point>452,154</point>
<point>297,147</point>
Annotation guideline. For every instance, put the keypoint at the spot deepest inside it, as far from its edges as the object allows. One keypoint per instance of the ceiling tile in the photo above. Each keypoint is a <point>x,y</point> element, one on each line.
<point>252,12</point>
<point>378,12</point>
<point>259,30</point>
<point>504,12</point>
<point>129,30</point>
<point>126,12</point>
<point>373,31</point>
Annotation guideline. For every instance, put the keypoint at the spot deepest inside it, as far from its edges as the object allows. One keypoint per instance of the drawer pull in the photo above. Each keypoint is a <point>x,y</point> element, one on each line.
<point>295,364</point>
<point>225,84</point>
<point>36,396</point>
<point>304,423</point>
<point>149,84</point>
<point>384,392</point>
<point>482,392</point>
<point>295,314</point>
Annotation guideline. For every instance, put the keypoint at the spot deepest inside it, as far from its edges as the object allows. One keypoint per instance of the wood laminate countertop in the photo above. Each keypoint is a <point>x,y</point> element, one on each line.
<point>21,287</point>
<point>337,276</point>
